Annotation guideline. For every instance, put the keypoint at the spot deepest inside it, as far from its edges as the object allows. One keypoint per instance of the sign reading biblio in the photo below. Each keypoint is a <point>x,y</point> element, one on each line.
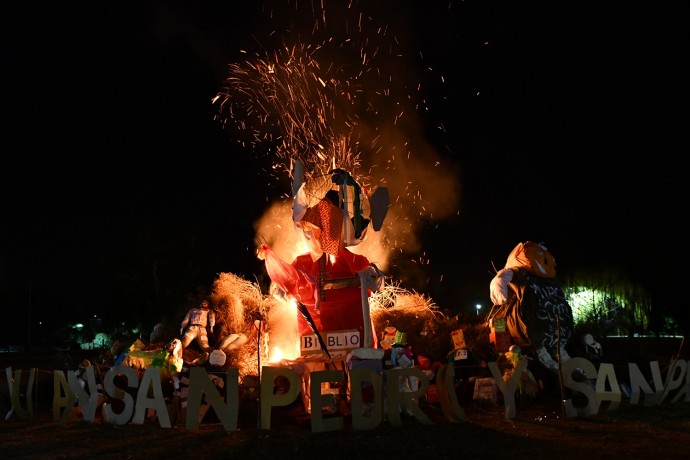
<point>67,392</point>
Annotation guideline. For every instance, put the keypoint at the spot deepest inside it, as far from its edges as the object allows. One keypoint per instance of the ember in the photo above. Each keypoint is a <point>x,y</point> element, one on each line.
<point>331,116</point>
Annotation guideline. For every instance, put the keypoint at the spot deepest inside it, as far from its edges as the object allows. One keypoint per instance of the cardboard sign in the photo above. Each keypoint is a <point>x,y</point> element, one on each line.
<point>460,354</point>
<point>339,343</point>
<point>458,339</point>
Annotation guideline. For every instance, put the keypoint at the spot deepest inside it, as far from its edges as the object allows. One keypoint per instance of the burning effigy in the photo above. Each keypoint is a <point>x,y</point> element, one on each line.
<point>330,284</point>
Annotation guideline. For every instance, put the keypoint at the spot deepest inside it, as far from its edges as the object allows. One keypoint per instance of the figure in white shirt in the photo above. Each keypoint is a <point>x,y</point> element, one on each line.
<point>194,325</point>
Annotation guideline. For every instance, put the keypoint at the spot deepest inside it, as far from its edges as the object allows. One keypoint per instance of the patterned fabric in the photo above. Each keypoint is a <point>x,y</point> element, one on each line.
<point>326,223</point>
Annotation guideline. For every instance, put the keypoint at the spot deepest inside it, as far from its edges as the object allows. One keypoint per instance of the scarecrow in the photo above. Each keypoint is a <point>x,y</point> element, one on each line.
<point>526,293</point>
<point>330,283</point>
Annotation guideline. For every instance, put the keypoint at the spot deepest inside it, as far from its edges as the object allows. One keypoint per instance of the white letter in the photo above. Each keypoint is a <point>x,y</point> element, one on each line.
<point>567,369</point>
<point>151,380</point>
<point>268,399</point>
<point>118,393</point>
<point>320,400</point>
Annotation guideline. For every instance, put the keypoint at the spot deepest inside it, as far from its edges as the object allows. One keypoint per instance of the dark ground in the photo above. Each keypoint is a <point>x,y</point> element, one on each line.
<point>540,430</point>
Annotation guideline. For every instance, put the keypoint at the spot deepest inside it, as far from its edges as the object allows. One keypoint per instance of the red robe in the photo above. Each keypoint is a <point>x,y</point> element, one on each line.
<point>333,296</point>
<point>339,301</point>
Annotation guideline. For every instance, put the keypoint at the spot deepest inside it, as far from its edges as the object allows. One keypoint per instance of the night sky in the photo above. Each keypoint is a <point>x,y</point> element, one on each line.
<point>124,194</point>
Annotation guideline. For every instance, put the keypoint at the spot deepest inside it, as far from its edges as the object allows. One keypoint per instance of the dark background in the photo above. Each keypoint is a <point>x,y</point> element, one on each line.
<point>124,197</point>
